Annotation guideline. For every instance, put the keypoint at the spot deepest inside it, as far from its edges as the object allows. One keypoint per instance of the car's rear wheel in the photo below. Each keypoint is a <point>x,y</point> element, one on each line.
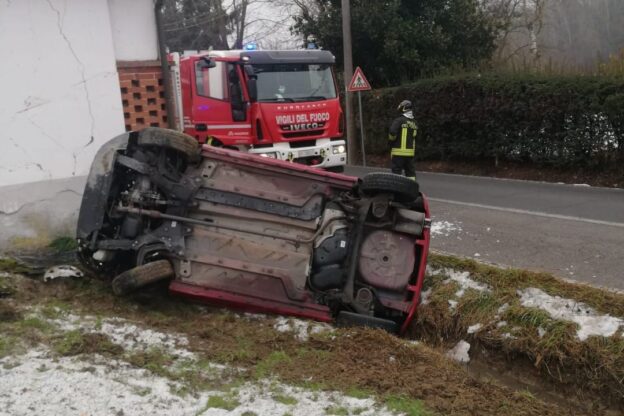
<point>170,139</point>
<point>143,275</point>
<point>404,189</point>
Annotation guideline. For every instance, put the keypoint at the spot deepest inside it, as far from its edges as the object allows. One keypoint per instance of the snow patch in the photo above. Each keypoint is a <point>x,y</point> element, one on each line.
<point>503,308</point>
<point>501,324</point>
<point>124,333</point>
<point>589,321</point>
<point>302,329</point>
<point>444,228</point>
<point>474,328</point>
<point>459,352</point>
<point>424,296</point>
<point>461,278</point>
<point>44,386</point>
<point>259,400</point>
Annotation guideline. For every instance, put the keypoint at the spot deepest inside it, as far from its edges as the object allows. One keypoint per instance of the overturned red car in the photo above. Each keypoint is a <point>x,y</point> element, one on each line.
<point>254,233</point>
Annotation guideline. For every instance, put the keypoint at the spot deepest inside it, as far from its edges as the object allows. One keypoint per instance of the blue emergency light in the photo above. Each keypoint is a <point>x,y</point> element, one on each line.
<point>251,46</point>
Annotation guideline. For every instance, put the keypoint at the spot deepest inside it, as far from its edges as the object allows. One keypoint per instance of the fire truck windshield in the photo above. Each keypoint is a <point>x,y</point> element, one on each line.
<point>294,82</point>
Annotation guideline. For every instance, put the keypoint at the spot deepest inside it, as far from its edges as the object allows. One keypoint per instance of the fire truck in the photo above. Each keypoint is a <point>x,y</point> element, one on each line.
<point>277,104</point>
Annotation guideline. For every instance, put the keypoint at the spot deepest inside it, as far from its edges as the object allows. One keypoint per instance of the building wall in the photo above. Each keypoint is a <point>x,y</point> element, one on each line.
<point>133,25</point>
<point>60,101</point>
<point>142,94</point>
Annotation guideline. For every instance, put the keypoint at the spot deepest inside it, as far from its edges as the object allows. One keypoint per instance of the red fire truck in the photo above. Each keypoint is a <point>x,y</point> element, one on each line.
<point>278,104</point>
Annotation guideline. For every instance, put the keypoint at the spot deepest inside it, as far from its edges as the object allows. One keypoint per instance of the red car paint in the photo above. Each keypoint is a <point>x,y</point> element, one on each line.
<point>306,309</point>
<point>255,233</point>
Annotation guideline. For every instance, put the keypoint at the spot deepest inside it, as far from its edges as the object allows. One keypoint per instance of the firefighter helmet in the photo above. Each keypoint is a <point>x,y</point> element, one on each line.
<point>405,105</point>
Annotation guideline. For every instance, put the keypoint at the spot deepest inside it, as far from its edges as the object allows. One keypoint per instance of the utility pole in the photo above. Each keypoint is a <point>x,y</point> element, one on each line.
<point>348,74</point>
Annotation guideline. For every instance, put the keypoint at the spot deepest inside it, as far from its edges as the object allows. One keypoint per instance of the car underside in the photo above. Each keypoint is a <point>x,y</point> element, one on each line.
<point>253,233</point>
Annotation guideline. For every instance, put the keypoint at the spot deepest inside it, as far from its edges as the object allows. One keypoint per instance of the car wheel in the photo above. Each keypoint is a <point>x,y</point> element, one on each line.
<point>404,189</point>
<point>170,139</point>
<point>140,276</point>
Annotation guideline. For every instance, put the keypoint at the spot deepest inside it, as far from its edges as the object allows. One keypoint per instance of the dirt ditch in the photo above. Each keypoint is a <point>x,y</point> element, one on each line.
<point>523,375</point>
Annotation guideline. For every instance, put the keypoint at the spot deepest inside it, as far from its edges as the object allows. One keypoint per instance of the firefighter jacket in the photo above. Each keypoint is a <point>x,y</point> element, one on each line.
<point>403,135</point>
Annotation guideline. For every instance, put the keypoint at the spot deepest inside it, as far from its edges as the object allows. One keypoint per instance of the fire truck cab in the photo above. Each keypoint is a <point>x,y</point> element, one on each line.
<point>278,104</point>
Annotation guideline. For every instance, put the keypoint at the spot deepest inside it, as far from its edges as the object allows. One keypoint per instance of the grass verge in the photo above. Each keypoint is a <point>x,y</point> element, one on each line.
<point>512,331</point>
<point>414,379</point>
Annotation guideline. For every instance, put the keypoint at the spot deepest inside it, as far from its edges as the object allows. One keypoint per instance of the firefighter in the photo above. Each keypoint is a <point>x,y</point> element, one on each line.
<point>403,141</point>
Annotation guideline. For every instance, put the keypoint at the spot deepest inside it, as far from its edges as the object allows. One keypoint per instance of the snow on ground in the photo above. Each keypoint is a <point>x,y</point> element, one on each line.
<point>125,333</point>
<point>474,328</point>
<point>36,384</point>
<point>301,329</point>
<point>39,382</point>
<point>444,228</point>
<point>589,321</point>
<point>461,278</point>
<point>459,352</point>
<point>424,296</point>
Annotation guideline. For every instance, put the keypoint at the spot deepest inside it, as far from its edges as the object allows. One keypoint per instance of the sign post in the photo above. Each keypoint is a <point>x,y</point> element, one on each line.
<point>359,83</point>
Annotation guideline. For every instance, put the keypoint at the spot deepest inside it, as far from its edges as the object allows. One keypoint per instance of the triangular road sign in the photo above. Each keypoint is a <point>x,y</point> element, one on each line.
<point>359,81</point>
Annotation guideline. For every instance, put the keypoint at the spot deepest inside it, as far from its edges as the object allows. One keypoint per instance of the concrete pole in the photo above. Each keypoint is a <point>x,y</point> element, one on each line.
<point>348,74</point>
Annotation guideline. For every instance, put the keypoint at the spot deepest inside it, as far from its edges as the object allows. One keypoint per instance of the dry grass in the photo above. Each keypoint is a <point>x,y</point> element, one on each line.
<point>594,368</point>
<point>359,362</point>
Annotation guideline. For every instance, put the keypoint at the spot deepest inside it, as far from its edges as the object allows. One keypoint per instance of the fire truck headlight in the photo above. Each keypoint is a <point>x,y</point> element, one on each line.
<point>271,155</point>
<point>338,149</point>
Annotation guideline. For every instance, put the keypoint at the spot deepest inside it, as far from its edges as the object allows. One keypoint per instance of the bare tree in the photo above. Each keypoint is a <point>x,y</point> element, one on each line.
<point>569,35</point>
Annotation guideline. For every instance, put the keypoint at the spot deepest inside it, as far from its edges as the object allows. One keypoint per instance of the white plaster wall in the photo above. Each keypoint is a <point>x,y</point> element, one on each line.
<point>133,25</point>
<point>60,97</point>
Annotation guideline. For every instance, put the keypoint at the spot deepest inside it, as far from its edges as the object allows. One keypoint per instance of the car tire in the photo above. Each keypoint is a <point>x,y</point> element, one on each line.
<point>140,276</point>
<point>404,189</point>
<point>170,139</point>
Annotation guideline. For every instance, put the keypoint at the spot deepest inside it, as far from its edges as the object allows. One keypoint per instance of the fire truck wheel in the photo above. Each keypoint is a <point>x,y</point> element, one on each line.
<point>404,189</point>
<point>140,276</point>
<point>170,139</point>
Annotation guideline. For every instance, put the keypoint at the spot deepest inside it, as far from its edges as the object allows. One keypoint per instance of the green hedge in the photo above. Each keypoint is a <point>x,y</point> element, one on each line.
<point>549,120</point>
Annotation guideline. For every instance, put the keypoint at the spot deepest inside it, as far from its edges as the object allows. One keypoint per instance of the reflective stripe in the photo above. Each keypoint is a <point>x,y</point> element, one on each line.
<point>402,152</point>
<point>412,178</point>
<point>228,126</point>
<point>404,138</point>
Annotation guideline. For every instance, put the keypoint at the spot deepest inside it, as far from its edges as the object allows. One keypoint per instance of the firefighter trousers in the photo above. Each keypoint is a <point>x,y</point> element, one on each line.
<point>405,164</point>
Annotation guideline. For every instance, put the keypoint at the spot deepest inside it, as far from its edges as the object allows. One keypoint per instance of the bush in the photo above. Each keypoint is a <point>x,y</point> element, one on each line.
<point>562,121</point>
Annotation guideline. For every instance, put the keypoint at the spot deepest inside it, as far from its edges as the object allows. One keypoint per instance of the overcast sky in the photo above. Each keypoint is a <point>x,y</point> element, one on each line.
<point>269,22</point>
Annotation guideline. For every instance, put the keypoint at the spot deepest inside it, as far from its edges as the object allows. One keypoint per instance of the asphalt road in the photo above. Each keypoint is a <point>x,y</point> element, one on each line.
<point>573,231</point>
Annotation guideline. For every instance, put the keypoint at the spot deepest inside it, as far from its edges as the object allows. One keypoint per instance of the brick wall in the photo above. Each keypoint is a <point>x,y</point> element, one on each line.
<point>142,94</point>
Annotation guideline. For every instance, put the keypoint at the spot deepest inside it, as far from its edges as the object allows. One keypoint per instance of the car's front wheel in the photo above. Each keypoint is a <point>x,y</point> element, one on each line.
<point>143,275</point>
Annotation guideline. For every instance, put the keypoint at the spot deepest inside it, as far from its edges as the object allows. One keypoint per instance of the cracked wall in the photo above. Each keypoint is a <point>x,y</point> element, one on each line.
<point>60,94</point>
<point>60,102</point>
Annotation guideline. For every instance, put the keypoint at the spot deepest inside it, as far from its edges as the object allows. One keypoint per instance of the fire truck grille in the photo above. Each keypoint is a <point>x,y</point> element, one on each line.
<point>306,133</point>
